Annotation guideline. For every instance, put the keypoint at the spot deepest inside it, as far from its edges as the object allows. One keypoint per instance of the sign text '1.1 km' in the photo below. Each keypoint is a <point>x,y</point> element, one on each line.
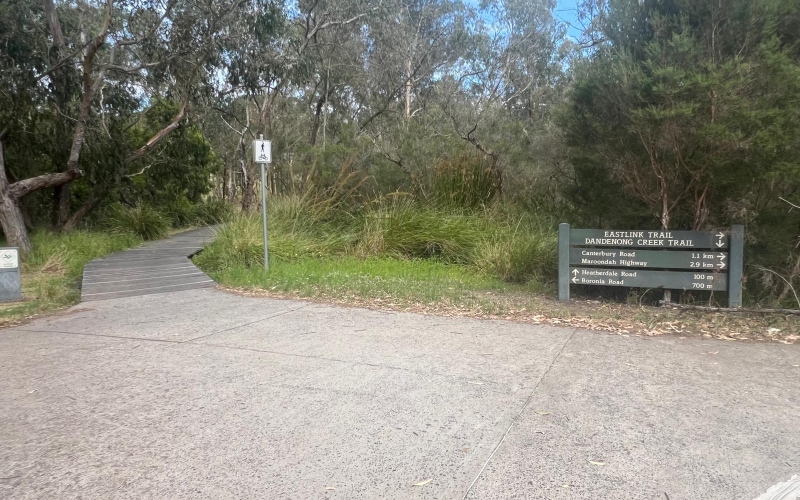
<point>621,257</point>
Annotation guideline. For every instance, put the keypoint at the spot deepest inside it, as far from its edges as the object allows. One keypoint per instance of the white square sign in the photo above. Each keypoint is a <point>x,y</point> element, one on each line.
<point>262,151</point>
<point>9,258</point>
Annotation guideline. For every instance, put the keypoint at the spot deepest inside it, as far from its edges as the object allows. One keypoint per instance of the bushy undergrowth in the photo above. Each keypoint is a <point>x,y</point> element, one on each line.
<point>212,212</point>
<point>143,221</point>
<point>515,247</point>
<point>151,223</point>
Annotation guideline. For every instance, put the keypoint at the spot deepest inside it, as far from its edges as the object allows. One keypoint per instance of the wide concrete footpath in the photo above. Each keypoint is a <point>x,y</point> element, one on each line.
<point>204,394</point>
<point>155,267</point>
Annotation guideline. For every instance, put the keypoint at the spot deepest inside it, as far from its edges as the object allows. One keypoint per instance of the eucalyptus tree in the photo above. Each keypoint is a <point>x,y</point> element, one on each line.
<point>77,76</point>
<point>267,60</point>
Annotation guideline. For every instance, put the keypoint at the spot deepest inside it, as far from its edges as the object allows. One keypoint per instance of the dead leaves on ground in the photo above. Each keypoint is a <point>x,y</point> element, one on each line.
<point>614,318</point>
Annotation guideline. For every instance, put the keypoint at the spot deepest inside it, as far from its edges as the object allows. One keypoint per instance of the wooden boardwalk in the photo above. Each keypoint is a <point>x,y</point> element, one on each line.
<point>155,267</point>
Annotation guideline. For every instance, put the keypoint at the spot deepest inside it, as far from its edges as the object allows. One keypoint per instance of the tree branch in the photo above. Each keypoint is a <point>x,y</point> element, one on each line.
<point>153,142</point>
<point>27,186</point>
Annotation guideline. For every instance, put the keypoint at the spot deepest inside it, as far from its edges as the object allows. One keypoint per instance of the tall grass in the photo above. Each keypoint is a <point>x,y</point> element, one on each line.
<point>142,220</point>
<point>514,247</point>
<point>468,180</point>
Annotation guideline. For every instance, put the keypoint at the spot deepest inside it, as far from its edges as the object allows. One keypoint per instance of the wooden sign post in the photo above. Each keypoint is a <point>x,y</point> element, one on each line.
<point>682,260</point>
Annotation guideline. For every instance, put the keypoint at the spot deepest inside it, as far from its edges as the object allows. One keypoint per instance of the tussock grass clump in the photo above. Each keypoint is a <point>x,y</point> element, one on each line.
<point>180,211</point>
<point>400,227</point>
<point>212,212</point>
<point>143,221</point>
<point>519,249</point>
<point>468,180</point>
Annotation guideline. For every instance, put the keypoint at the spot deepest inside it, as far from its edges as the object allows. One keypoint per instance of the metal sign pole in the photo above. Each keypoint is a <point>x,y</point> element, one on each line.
<point>563,262</point>
<point>264,215</point>
<point>264,195</point>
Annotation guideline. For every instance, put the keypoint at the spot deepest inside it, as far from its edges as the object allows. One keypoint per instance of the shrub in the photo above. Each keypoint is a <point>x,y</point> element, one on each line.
<point>519,251</point>
<point>180,211</point>
<point>238,243</point>
<point>468,181</point>
<point>143,221</point>
<point>212,212</point>
<point>401,227</point>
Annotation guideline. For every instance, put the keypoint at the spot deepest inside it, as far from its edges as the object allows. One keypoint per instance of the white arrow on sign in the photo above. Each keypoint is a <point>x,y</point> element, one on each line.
<point>722,256</point>
<point>721,265</point>
<point>720,244</point>
<point>575,272</point>
<point>720,235</point>
<point>575,279</point>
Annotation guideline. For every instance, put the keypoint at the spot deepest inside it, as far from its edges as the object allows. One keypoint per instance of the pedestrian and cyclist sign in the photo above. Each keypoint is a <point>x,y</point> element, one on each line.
<point>684,260</point>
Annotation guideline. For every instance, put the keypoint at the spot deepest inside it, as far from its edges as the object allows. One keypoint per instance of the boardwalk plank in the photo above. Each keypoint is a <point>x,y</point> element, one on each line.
<point>155,267</point>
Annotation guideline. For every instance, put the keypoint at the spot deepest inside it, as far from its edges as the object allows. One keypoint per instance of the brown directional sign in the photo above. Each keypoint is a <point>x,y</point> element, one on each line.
<point>644,239</point>
<point>692,280</point>
<point>687,260</point>
<point>631,257</point>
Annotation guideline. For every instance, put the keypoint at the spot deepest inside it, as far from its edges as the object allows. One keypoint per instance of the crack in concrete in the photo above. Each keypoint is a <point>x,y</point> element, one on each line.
<point>514,420</point>
<point>275,315</point>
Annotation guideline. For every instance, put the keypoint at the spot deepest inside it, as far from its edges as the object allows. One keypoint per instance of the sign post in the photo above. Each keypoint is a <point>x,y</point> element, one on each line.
<point>262,153</point>
<point>683,260</point>
<point>563,262</point>
<point>10,285</point>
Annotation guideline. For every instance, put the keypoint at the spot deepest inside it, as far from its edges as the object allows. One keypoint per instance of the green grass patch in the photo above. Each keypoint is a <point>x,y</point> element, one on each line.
<point>51,273</point>
<point>406,281</point>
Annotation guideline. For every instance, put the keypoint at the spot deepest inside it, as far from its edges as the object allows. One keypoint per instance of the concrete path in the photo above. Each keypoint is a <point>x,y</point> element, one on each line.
<point>155,267</point>
<point>203,394</point>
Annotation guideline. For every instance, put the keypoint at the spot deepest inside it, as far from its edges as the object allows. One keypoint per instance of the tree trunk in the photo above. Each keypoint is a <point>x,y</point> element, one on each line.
<point>315,123</point>
<point>318,113</point>
<point>11,218</point>
<point>664,226</point>
<point>408,90</point>
<point>61,77</point>
<point>10,213</point>
<point>61,206</point>
<point>249,194</point>
<point>92,203</point>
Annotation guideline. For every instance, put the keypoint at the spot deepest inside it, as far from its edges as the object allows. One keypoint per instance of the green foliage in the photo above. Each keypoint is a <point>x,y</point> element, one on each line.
<point>180,211</point>
<point>686,117</point>
<point>212,211</point>
<point>142,220</point>
<point>505,245</point>
<point>468,181</point>
<point>520,248</point>
<point>184,167</point>
<point>399,226</point>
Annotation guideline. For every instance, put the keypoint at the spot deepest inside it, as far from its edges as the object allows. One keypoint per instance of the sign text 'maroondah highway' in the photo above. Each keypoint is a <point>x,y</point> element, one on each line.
<point>650,279</point>
<point>656,239</point>
<point>678,259</point>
